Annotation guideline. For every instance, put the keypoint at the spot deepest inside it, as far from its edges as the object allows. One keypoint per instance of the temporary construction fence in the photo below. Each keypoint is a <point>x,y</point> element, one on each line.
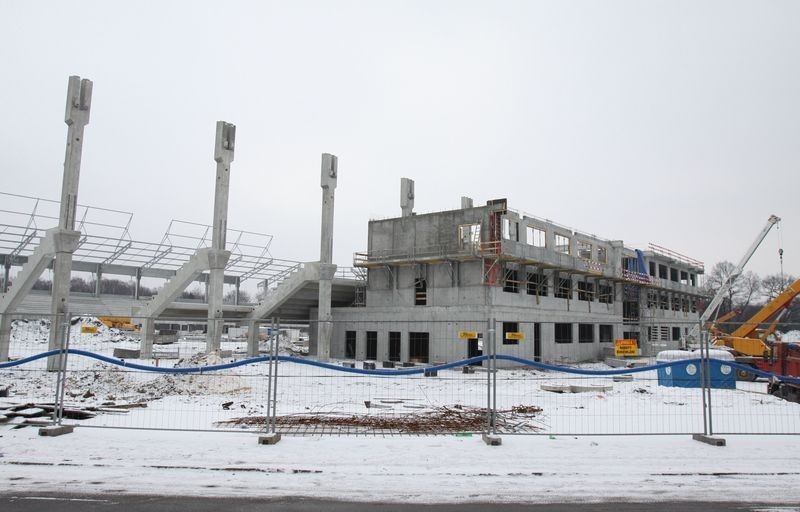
<point>394,381</point>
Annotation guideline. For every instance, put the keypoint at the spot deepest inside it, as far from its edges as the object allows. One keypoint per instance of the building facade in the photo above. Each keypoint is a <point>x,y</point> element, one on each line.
<point>557,295</point>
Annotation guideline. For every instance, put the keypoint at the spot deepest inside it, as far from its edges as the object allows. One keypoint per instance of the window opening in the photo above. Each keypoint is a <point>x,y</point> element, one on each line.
<point>606,333</point>
<point>350,344</point>
<point>507,328</point>
<point>585,333</point>
<point>469,236</point>
<point>605,293</point>
<point>564,289</point>
<point>585,291</point>
<point>511,281</point>
<point>536,237</point>
<point>418,347</point>
<point>537,284</point>
<point>584,249</point>
<point>394,346</point>
<point>563,333</point>
<point>372,345</point>
<point>562,243</point>
<point>420,292</point>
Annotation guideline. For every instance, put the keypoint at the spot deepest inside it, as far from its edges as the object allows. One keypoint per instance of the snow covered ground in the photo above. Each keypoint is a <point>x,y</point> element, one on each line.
<point>562,463</point>
<point>403,469</point>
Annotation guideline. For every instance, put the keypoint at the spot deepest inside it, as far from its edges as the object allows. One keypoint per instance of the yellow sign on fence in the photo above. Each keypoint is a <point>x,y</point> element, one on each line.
<point>467,335</point>
<point>515,335</point>
<point>88,329</point>
<point>624,348</point>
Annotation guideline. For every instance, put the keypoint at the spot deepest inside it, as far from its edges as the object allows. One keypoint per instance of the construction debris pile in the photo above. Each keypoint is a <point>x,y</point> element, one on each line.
<point>457,418</point>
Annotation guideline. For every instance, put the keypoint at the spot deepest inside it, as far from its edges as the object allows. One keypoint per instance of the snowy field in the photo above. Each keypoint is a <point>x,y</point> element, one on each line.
<point>563,463</point>
<point>317,400</point>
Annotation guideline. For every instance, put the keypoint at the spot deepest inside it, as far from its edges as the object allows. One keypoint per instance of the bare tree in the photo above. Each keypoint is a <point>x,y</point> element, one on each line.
<point>774,284</point>
<point>743,290</point>
<point>230,297</point>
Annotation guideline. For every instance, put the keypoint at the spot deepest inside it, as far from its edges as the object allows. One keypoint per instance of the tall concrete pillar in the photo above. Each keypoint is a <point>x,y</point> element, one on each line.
<point>407,196</point>
<point>327,269</point>
<point>218,257</point>
<point>79,101</point>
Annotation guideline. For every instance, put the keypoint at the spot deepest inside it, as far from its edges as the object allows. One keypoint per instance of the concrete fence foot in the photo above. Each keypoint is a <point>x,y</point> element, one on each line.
<point>269,438</point>
<point>713,441</point>
<point>56,430</point>
<point>492,440</point>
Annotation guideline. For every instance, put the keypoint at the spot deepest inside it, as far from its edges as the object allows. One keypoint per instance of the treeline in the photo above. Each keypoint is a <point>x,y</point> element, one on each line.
<point>749,293</point>
<point>127,288</point>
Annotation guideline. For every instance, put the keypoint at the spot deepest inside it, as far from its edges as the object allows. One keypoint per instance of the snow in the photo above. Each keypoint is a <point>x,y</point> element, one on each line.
<point>563,463</point>
<point>403,469</point>
<point>791,337</point>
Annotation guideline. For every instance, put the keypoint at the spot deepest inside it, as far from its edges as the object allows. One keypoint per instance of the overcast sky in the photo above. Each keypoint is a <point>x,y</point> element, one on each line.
<point>669,122</point>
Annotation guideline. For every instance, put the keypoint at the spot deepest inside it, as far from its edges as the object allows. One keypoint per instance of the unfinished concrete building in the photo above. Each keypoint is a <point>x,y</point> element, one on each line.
<point>570,294</point>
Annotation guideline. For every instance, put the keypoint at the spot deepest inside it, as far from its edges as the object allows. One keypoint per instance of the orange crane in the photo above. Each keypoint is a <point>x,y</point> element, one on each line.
<point>748,339</point>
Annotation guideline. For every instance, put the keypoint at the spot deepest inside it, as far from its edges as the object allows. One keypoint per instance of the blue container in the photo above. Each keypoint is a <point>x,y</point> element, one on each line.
<point>685,372</point>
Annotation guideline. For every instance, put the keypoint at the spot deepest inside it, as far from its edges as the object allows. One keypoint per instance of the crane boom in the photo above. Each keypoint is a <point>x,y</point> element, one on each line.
<point>726,286</point>
<point>772,307</point>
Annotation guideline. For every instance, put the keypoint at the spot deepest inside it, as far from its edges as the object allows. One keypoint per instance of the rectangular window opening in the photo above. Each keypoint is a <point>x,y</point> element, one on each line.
<point>394,346</point>
<point>418,347</point>
<point>585,333</point>
<point>563,333</point>
<point>372,345</point>
<point>535,236</point>
<point>606,333</point>
<point>602,255</point>
<point>584,249</point>
<point>350,344</point>
<point>585,291</point>
<point>605,294</point>
<point>507,328</point>
<point>564,288</point>
<point>537,285</point>
<point>420,292</point>
<point>469,236</point>
<point>511,281</point>
<point>562,243</point>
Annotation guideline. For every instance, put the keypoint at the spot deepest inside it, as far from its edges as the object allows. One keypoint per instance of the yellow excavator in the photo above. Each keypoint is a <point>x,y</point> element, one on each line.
<point>750,339</point>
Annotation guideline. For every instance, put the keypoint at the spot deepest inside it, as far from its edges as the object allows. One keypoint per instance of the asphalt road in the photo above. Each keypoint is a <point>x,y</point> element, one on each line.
<point>85,503</point>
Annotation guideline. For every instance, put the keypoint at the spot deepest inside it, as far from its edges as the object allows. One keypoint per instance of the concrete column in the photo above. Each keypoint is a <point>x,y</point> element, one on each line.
<point>218,258</point>
<point>252,338</point>
<point>79,101</point>
<point>98,276</point>
<point>328,178</point>
<point>6,274</point>
<point>147,336</point>
<point>238,285</point>
<point>5,335</point>
<point>138,286</point>
<point>407,196</point>
<point>466,202</point>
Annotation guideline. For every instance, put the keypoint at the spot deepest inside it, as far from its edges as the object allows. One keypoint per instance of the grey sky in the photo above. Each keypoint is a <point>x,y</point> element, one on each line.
<point>669,122</point>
